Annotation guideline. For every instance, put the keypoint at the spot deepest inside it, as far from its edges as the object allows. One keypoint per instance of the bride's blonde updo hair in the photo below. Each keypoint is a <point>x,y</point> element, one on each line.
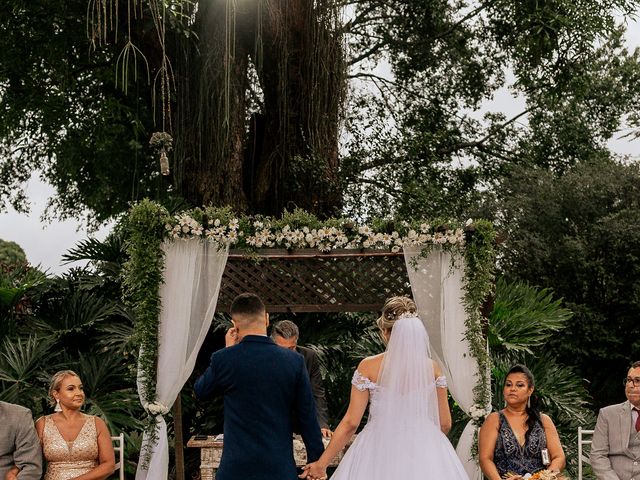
<point>393,308</point>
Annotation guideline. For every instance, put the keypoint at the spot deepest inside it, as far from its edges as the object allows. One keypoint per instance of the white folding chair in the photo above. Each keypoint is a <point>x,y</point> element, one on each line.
<point>118,447</point>
<point>584,438</point>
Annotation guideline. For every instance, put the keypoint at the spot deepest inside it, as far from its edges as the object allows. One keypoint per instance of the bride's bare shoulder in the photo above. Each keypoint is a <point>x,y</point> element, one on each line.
<point>370,366</point>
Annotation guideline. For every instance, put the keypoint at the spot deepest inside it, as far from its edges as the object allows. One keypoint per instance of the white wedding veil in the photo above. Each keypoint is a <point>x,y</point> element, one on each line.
<point>402,438</point>
<point>407,397</point>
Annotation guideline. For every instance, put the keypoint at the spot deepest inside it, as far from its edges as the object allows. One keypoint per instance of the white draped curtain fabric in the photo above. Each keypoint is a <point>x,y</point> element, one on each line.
<point>438,290</point>
<point>189,294</point>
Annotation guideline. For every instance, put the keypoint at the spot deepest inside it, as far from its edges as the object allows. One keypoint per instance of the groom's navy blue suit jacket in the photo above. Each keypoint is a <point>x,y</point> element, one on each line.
<point>262,384</point>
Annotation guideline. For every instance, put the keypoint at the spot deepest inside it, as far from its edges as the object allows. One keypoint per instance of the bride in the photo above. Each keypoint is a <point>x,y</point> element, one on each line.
<point>408,412</point>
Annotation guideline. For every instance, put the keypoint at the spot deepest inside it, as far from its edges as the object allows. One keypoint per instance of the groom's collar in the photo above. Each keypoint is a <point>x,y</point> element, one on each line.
<point>258,339</point>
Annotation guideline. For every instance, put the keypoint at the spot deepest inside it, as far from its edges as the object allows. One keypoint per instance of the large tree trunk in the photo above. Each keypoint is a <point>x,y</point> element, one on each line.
<point>210,119</point>
<point>286,154</point>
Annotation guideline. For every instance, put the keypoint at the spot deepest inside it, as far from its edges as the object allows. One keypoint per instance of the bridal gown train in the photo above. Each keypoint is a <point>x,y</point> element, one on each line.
<point>402,438</point>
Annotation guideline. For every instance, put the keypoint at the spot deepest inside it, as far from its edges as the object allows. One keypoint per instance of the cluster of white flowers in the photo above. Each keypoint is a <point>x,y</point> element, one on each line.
<point>223,234</point>
<point>369,239</point>
<point>453,237</point>
<point>156,408</point>
<point>185,227</point>
<point>476,412</point>
<point>324,239</point>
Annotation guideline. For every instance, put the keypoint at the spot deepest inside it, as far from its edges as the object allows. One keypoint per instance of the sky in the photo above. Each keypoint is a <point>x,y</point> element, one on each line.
<point>45,243</point>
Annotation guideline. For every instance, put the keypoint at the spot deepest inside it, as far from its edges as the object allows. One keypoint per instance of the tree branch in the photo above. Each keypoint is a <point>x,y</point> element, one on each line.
<point>481,141</point>
<point>373,50</point>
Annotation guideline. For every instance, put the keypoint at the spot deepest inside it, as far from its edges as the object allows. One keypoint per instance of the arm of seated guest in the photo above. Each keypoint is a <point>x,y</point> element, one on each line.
<point>487,439</point>
<point>556,453</point>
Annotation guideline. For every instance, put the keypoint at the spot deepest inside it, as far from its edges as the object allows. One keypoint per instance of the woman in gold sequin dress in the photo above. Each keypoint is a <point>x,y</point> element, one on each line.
<point>76,446</point>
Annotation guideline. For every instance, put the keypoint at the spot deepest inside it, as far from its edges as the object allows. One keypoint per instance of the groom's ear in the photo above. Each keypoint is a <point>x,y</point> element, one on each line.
<point>266,318</point>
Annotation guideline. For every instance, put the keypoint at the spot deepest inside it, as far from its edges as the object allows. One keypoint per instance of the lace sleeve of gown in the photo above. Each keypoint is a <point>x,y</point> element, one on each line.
<point>441,382</point>
<point>361,382</point>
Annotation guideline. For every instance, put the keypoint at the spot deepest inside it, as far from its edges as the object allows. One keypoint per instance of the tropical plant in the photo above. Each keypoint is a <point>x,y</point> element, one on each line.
<point>24,364</point>
<point>19,283</point>
<point>523,318</point>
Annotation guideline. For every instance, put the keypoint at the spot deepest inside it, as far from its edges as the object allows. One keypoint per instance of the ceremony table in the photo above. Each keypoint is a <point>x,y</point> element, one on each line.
<point>211,453</point>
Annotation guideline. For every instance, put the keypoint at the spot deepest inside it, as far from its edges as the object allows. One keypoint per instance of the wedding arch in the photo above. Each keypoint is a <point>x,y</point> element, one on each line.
<point>183,268</point>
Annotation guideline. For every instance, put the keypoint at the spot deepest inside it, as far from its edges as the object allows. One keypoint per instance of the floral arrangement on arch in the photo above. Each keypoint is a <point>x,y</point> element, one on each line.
<point>478,414</point>
<point>299,229</point>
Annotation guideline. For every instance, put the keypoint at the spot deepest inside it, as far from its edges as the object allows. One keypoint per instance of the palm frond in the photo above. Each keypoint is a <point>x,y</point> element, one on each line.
<point>79,311</point>
<point>524,317</point>
<point>116,337</point>
<point>111,249</point>
<point>24,363</point>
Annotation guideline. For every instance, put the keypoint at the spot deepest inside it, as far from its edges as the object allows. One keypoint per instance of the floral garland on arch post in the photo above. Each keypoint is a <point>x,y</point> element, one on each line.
<point>149,224</point>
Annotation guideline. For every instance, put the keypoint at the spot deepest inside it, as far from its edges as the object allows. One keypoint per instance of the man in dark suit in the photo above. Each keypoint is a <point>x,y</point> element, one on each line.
<point>615,447</point>
<point>261,384</point>
<point>286,334</point>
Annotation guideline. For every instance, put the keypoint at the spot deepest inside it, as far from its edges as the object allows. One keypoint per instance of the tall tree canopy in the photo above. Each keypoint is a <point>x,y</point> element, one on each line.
<point>580,234</point>
<point>253,93</point>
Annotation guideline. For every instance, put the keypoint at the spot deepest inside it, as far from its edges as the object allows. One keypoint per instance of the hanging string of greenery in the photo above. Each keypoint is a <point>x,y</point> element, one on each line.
<point>141,284</point>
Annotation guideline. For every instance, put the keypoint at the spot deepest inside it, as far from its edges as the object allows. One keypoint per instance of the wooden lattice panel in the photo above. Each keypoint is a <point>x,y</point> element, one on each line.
<point>310,281</point>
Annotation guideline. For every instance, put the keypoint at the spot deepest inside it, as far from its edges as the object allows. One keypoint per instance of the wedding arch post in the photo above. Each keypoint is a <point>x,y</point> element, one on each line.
<point>437,285</point>
<point>192,275</point>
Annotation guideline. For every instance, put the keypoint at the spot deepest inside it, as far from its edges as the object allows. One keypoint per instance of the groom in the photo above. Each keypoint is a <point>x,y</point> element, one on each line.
<point>261,384</point>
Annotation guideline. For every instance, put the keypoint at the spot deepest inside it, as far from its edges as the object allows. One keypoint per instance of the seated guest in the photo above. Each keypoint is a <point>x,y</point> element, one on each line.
<point>615,449</point>
<point>20,454</point>
<point>75,445</point>
<point>286,334</point>
<point>519,439</point>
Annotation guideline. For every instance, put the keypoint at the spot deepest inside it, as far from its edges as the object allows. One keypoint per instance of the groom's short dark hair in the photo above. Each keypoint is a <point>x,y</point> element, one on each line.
<point>247,305</point>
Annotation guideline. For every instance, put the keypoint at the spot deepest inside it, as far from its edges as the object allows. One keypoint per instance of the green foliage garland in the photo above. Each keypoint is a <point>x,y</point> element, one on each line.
<point>479,277</point>
<point>141,284</point>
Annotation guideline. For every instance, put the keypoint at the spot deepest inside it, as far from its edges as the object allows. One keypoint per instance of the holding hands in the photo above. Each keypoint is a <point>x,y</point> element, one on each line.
<point>314,471</point>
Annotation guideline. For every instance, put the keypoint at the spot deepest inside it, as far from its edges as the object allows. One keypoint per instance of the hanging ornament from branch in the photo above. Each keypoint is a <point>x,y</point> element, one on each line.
<point>162,142</point>
<point>164,163</point>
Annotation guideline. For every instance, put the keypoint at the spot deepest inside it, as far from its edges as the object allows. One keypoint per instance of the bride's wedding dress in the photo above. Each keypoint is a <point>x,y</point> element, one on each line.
<point>402,438</point>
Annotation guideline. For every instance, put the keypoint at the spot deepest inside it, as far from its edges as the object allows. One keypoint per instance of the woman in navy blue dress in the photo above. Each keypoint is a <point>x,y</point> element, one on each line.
<point>519,439</point>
